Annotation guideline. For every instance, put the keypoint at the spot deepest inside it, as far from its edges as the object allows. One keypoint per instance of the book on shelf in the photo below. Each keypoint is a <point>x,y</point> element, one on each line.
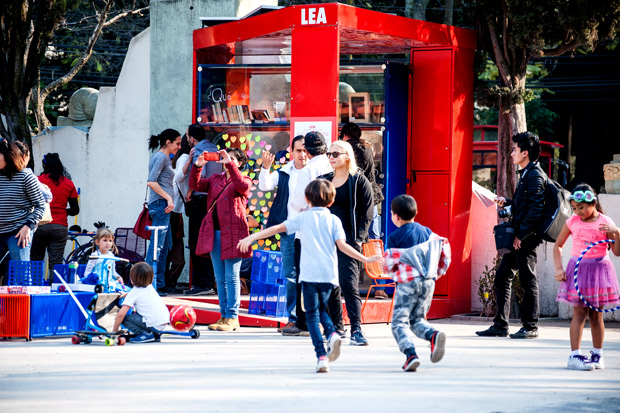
<point>247,116</point>
<point>261,116</point>
<point>225,115</point>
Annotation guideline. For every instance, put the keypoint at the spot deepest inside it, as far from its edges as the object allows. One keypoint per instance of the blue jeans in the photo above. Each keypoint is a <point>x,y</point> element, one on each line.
<point>16,253</point>
<point>287,248</point>
<point>160,218</point>
<point>316,296</point>
<point>227,279</point>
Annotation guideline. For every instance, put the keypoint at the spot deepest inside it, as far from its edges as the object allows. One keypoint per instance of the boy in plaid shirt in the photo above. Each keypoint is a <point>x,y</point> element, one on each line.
<point>412,299</point>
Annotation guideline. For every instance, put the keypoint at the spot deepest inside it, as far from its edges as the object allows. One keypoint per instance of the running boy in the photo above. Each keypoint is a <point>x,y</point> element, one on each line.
<point>149,309</point>
<point>413,299</point>
<point>320,233</point>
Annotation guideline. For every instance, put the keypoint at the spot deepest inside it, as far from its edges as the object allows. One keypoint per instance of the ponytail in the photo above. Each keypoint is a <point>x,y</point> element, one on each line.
<point>159,141</point>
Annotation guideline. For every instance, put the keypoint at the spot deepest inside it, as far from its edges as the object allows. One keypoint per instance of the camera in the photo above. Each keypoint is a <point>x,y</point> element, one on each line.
<point>505,212</point>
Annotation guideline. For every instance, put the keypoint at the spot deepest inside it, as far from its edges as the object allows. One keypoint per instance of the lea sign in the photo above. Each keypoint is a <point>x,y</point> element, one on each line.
<point>315,16</point>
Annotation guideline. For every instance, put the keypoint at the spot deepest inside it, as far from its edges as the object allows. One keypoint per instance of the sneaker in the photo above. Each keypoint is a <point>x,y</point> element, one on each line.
<point>162,292</point>
<point>493,332</point>
<point>321,365</point>
<point>597,361</point>
<point>412,363</point>
<point>525,333</point>
<point>342,333</point>
<point>215,325</point>
<point>291,329</point>
<point>579,363</point>
<point>229,324</point>
<point>333,347</point>
<point>200,291</point>
<point>174,290</point>
<point>438,346</point>
<point>380,295</point>
<point>143,338</point>
<point>358,339</point>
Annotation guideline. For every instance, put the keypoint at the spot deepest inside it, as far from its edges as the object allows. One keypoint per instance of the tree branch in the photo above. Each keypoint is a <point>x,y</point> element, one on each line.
<point>563,48</point>
<point>125,14</point>
<point>42,95</point>
<point>500,60</point>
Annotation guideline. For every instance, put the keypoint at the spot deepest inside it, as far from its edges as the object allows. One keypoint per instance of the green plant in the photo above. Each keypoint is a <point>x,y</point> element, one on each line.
<point>486,289</point>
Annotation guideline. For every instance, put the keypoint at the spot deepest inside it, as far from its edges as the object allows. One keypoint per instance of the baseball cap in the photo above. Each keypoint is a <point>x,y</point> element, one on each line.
<point>314,140</point>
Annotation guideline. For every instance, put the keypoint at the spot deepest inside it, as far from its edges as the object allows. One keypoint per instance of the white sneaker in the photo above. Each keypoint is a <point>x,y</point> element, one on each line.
<point>321,365</point>
<point>597,361</point>
<point>333,347</point>
<point>579,363</point>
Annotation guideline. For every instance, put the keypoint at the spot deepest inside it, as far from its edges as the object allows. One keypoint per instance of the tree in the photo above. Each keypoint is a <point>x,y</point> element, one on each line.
<point>28,28</point>
<point>515,31</point>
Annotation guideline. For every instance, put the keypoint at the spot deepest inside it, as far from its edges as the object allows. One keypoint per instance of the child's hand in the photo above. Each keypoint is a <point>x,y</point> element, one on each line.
<point>245,244</point>
<point>560,275</point>
<point>123,295</point>
<point>374,258</point>
<point>611,230</point>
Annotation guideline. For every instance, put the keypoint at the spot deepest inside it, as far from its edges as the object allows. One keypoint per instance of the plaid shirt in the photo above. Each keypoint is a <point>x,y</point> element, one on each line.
<point>403,273</point>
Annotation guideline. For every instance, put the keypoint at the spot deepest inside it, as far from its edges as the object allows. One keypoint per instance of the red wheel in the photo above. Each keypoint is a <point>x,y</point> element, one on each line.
<point>75,340</point>
<point>121,341</point>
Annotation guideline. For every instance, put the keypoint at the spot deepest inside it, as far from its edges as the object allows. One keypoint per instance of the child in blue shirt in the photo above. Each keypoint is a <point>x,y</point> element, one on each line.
<point>320,233</point>
<point>412,299</point>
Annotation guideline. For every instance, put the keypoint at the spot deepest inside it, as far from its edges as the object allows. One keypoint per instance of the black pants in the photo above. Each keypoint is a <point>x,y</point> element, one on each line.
<point>299,309</point>
<point>135,324</point>
<point>524,261</point>
<point>175,260</point>
<point>202,269</point>
<point>50,237</point>
<point>348,277</point>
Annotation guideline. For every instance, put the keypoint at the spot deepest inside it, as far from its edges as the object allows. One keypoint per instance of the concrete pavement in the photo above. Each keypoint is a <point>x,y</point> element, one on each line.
<point>258,370</point>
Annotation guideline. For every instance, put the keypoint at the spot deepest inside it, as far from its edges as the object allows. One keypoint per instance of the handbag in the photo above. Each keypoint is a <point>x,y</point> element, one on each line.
<point>144,220</point>
<point>504,237</point>
<point>47,215</point>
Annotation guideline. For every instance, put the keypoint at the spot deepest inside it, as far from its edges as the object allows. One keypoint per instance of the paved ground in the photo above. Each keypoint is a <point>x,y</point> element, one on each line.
<point>258,370</point>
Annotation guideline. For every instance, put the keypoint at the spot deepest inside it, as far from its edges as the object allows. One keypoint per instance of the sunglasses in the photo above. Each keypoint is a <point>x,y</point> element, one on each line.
<point>334,155</point>
<point>582,196</point>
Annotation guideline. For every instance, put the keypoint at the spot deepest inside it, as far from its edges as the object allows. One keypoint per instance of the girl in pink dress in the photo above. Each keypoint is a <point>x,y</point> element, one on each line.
<point>596,274</point>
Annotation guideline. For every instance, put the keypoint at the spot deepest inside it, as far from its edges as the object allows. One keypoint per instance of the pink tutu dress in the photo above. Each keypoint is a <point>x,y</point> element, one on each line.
<point>596,275</point>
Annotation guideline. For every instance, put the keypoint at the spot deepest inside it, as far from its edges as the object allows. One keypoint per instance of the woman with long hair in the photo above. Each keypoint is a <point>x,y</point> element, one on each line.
<point>354,206</point>
<point>222,228</point>
<point>52,237</point>
<point>21,203</point>
<point>161,199</point>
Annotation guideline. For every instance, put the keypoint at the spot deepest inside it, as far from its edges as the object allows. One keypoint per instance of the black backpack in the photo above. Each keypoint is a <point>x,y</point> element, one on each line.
<point>557,210</point>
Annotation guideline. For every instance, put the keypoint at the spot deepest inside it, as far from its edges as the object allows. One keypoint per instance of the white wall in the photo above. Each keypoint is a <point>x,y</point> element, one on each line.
<point>110,162</point>
<point>483,250</point>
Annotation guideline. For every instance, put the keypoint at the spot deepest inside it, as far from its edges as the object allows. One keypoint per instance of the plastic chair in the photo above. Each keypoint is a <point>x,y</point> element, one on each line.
<point>130,246</point>
<point>375,271</point>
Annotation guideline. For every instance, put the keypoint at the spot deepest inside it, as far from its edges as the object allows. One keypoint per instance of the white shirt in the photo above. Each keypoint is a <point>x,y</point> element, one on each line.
<point>269,181</point>
<point>317,166</point>
<point>318,231</point>
<point>149,305</point>
<point>180,183</point>
<point>96,266</point>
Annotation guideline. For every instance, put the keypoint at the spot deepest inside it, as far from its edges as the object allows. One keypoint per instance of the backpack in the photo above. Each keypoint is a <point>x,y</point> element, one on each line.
<point>557,210</point>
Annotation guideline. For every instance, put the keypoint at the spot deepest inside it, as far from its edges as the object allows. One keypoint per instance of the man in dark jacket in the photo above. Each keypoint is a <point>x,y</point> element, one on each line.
<point>527,209</point>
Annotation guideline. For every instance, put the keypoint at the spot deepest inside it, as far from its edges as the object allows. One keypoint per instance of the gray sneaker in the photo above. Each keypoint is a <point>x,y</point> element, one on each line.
<point>200,291</point>
<point>358,339</point>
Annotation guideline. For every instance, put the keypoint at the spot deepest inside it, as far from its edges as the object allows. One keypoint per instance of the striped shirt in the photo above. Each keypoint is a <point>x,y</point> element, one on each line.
<point>21,202</point>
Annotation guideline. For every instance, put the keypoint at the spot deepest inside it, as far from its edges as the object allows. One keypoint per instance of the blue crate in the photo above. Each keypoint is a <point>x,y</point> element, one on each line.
<point>257,298</point>
<point>259,261</point>
<point>275,301</point>
<point>274,269</point>
<point>57,314</point>
<point>63,270</point>
<point>27,273</point>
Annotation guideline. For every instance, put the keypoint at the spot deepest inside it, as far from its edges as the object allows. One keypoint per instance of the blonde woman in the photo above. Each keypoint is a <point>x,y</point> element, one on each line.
<point>354,206</point>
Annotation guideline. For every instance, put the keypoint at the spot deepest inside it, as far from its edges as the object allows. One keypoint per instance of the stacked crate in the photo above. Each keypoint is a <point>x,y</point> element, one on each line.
<point>268,293</point>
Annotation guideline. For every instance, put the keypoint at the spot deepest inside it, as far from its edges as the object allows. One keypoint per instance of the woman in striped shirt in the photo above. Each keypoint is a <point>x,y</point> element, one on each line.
<point>21,203</point>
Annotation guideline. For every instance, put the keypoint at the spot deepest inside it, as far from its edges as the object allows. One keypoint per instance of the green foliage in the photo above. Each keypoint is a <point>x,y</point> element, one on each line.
<point>486,290</point>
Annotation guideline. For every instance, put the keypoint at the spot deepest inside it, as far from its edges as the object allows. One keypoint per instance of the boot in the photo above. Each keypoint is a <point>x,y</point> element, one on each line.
<point>229,324</point>
<point>218,323</point>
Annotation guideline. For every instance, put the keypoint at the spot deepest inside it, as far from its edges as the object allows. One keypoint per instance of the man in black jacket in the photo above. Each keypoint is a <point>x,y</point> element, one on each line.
<point>527,209</point>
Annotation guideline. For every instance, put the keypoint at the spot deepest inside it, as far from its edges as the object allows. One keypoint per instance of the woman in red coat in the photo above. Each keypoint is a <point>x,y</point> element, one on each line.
<point>223,227</point>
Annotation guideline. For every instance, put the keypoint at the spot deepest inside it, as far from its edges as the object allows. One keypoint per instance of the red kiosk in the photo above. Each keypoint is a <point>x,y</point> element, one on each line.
<point>265,78</point>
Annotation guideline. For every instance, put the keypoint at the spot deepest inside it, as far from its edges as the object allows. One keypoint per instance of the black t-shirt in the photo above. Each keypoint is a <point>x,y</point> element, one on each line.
<point>216,220</point>
<point>342,208</point>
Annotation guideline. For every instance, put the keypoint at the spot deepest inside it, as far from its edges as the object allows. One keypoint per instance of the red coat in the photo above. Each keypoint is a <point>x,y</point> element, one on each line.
<point>231,210</point>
